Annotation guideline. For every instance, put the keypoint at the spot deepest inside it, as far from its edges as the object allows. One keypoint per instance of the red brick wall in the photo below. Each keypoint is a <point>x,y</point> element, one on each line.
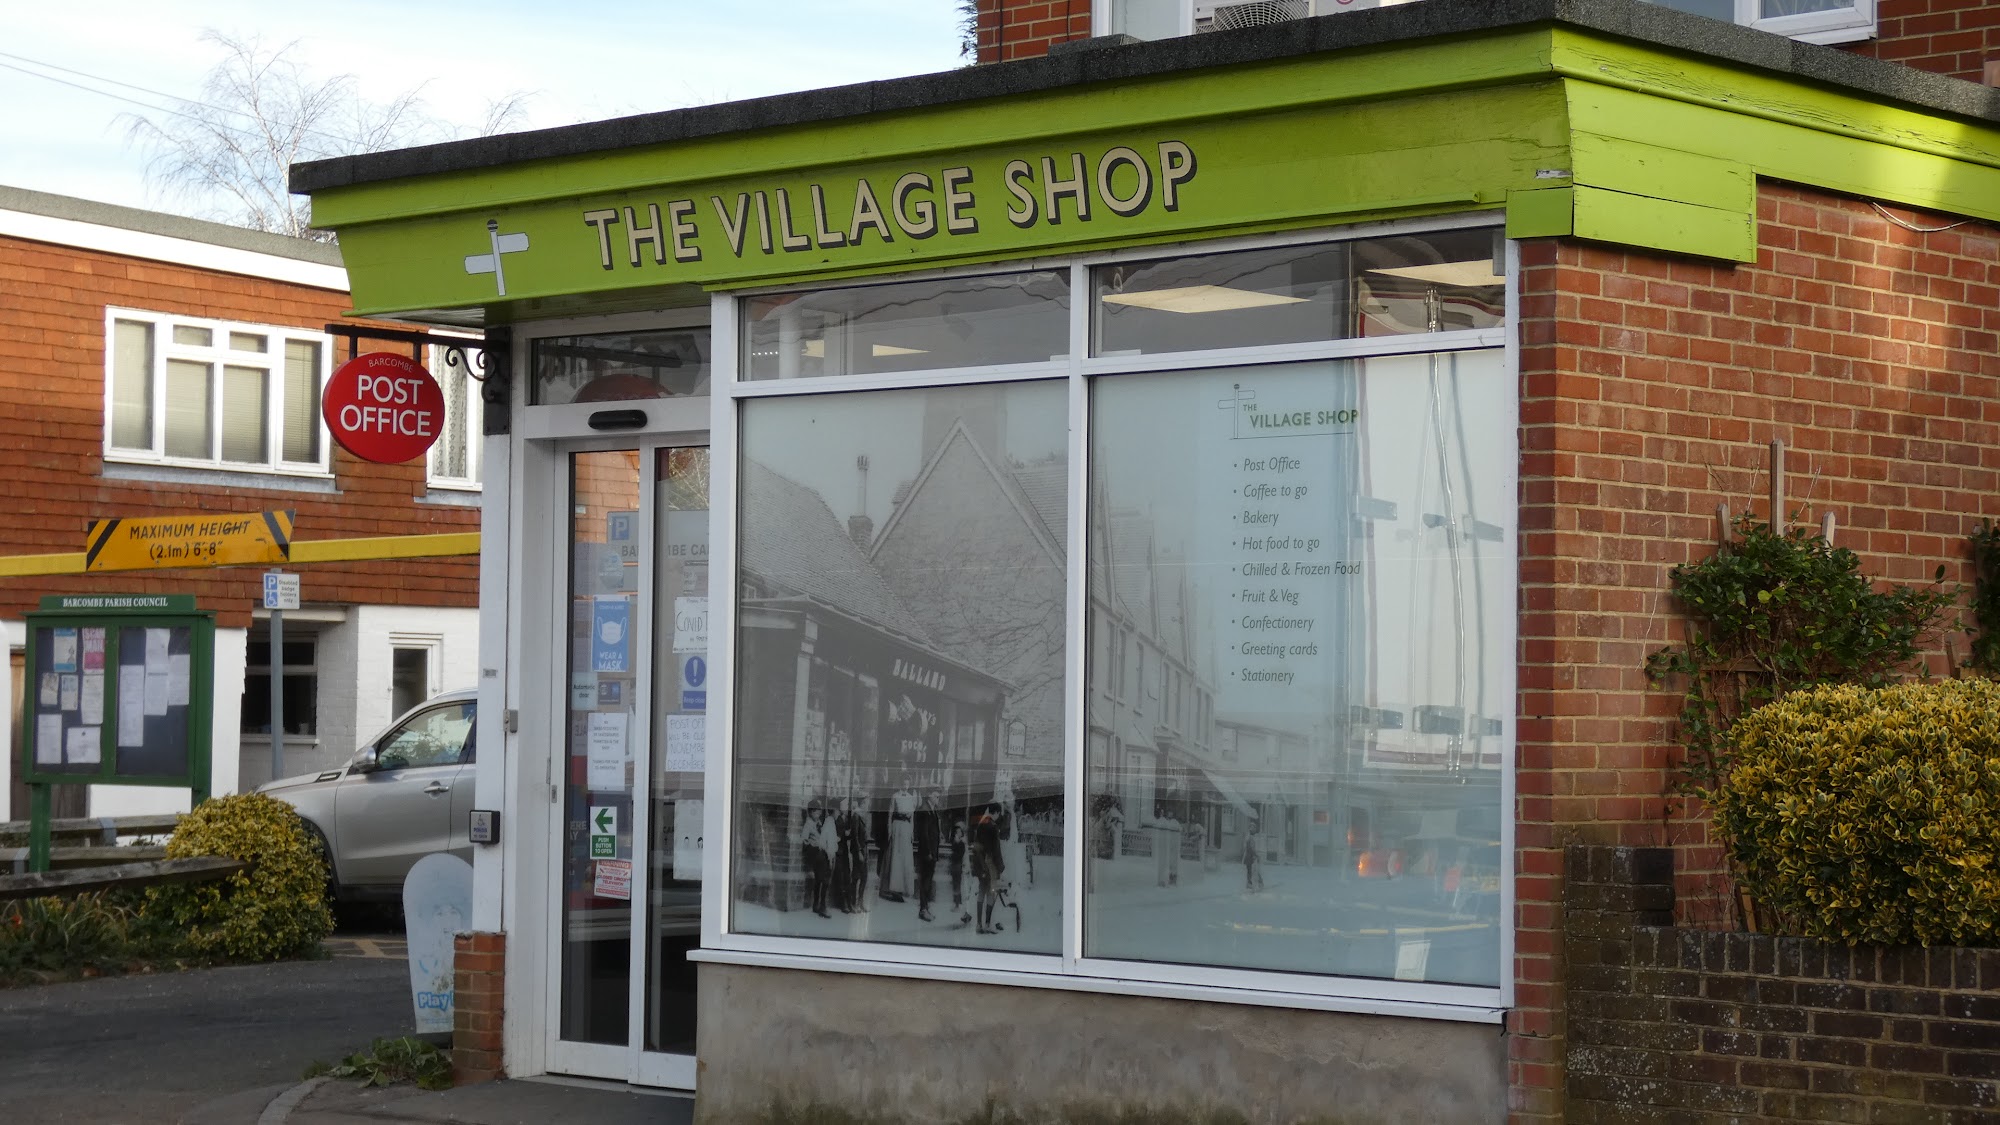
<point>1705,1028</point>
<point>1955,37</point>
<point>479,972</point>
<point>1649,387</point>
<point>52,302</point>
<point>1026,29</point>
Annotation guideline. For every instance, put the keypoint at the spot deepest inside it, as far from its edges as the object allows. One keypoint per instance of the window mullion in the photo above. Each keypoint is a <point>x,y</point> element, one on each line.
<point>157,385</point>
<point>1076,733</point>
<point>215,381</point>
<point>274,405</point>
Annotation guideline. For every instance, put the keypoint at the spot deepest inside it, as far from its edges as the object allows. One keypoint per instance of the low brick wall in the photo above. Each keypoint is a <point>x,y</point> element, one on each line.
<point>1694,1026</point>
<point>479,971</point>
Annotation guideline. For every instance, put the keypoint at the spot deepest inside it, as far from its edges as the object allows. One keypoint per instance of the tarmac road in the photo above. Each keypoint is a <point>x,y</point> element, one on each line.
<point>142,1050</point>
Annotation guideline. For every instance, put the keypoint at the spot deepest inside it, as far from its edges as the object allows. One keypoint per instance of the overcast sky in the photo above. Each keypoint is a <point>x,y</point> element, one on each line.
<point>577,61</point>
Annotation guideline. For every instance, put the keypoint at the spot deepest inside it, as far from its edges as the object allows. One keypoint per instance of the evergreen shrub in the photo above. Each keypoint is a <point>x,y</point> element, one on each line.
<point>1871,814</point>
<point>274,909</point>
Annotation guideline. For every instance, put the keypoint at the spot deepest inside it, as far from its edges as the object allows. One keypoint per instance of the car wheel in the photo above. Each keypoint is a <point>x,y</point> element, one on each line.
<point>326,856</point>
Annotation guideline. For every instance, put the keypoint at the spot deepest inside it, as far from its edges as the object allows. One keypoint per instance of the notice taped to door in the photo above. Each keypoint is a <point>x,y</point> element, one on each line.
<point>614,879</point>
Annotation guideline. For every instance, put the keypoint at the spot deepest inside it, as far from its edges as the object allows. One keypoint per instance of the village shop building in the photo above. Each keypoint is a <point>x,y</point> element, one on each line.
<point>1105,581</point>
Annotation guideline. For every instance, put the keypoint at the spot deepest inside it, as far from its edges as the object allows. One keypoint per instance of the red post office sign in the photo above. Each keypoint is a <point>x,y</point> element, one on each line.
<point>383,407</point>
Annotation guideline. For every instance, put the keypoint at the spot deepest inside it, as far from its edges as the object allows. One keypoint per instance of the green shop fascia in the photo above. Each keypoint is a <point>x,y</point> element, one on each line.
<point>913,814</point>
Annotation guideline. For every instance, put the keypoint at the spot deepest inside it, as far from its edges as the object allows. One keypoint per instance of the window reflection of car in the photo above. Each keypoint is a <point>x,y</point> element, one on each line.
<point>405,794</point>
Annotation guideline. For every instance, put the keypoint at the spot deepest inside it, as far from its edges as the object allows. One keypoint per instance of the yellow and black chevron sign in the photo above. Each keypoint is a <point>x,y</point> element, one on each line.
<point>206,539</point>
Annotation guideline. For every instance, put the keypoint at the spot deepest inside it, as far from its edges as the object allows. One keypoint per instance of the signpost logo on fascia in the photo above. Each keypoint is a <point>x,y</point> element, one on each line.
<point>501,245</point>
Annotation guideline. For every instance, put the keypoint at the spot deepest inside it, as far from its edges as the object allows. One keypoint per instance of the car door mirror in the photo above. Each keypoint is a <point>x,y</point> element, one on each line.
<point>368,760</point>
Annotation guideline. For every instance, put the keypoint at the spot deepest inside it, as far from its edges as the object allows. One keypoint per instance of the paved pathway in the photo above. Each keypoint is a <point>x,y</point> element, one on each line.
<point>143,1049</point>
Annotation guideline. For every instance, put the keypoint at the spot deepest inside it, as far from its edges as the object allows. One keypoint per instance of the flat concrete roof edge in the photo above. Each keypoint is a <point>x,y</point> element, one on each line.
<point>1631,19</point>
<point>54,206</point>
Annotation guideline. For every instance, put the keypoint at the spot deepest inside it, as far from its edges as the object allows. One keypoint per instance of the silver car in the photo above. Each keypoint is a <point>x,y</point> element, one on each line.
<point>405,794</point>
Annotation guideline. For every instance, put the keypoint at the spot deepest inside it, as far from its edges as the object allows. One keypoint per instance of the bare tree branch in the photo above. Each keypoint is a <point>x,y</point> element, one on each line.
<point>259,113</point>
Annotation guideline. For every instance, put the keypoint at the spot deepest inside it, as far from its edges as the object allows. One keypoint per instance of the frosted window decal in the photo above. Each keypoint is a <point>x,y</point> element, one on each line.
<point>1321,557</point>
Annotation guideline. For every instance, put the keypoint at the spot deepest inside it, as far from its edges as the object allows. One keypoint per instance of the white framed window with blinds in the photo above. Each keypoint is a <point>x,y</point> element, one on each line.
<point>213,393</point>
<point>454,459</point>
<point>1810,21</point>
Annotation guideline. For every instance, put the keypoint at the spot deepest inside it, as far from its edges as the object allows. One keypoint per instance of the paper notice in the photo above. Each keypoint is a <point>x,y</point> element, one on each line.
<point>691,624</point>
<point>180,667</point>
<point>51,690</point>
<point>605,742</point>
<point>131,705</point>
<point>1412,959</point>
<point>48,740</point>
<point>63,659</point>
<point>156,692</point>
<point>85,746</point>
<point>687,839</point>
<point>93,650</point>
<point>156,650</point>
<point>71,685</point>
<point>687,742</point>
<point>92,702</point>
<point>614,879</point>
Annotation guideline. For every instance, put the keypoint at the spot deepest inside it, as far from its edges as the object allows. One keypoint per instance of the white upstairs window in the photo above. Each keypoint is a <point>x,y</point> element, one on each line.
<point>214,394</point>
<point>1812,21</point>
<point>454,460</point>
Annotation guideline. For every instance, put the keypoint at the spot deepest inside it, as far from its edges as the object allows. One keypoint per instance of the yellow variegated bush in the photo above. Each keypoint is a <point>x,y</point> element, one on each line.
<point>274,909</point>
<point>1871,815</point>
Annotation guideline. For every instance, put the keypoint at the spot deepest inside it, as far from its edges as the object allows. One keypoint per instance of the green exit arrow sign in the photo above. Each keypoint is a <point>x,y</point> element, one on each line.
<point>603,831</point>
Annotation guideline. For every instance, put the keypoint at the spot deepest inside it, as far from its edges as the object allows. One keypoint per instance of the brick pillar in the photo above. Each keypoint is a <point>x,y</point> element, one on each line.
<point>1608,894</point>
<point>479,972</point>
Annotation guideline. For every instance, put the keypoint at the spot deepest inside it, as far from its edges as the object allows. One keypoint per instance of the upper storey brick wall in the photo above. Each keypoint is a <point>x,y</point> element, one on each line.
<point>1956,37</point>
<point>1026,29</point>
<point>52,302</point>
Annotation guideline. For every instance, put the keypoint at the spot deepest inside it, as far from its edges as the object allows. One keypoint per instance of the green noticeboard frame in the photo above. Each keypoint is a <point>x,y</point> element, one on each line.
<point>119,690</point>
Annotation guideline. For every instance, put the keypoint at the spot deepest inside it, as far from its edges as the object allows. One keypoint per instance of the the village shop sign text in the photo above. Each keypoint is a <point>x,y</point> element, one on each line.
<point>1077,187</point>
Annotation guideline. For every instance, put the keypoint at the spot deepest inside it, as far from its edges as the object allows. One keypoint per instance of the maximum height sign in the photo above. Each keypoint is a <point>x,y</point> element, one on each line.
<point>207,539</point>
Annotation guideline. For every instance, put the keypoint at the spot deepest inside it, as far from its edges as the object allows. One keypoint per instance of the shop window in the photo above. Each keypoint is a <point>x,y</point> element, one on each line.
<point>1296,529</point>
<point>1256,505</point>
<point>1814,21</point>
<point>301,683</point>
<point>619,366</point>
<point>890,817</point>
<point>1427,283</point>
<point>206,393</point>
<point>908,326</point>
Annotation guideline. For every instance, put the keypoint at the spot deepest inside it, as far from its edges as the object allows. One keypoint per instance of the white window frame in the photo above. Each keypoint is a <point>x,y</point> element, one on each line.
<point>217,356</point>
<point>1850,24</point>
<point>1070,969</point>
<point>474,420</point>
<point>432,646</point>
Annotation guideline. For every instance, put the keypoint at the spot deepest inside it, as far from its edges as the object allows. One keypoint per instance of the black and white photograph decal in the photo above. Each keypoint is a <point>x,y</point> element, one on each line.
<point>899,745</point>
